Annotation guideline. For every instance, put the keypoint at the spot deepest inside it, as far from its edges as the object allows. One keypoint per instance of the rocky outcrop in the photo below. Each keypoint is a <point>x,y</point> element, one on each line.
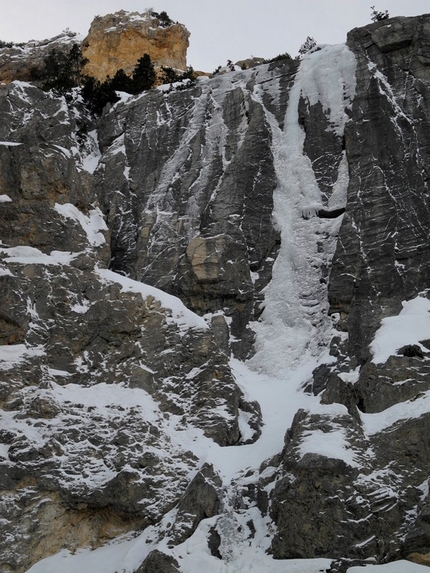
<point>25,62</point>
<point>72,332</point>
<point>380,240</point>
<point>200,501</point>
<point>158,562</point>
<point>186,181</point>
<point>117,41</point>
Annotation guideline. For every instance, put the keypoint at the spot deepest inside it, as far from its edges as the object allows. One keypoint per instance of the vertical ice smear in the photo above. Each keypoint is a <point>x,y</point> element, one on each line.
<point>294,323</point>
<point>91,153</point>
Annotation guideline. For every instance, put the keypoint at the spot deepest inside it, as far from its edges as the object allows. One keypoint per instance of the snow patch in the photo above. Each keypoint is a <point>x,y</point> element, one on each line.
<point>13,354</point>
<point>401,566</point>
<point>375,423</point>
<point>30,255</point>
<point>92,224</point>
<point>331,444</point>
<point>328,76</point>
<point>102,396</point>
<point>180,313</point>
<point>408,327</point>
<point>91,154</point>
<point>5,199</point>
<point>81,308</point>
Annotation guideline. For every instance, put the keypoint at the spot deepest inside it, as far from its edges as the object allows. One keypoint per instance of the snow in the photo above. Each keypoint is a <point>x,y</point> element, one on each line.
<point>10,143</point>
<point>102,395</point>
<point>92,224</point>
<point>14,354</point>
<point>409,327</point>
<point>401,566</point>
<point>332,444</point>
<point>351,377</point>
<point>108,559</point>
<point>193,557</point>
<point>295,300</point>
<point>5,272</point>
<point>30,255</point>
<point>5,199</point>
<point>66,152</point>
<point>279,403</point>
<point>180,313</point>
<point>374,423</point>
<point>81,308</point>
<point>328,76</point>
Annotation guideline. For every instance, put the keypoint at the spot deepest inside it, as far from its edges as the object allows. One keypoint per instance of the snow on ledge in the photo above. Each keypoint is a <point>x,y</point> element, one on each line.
<point>380,421</point>
<point>10,143</point>
<point>5,199</point>
<point>30,255</point>
<point>408,327</point>
<point>14,354</point>
<point>180,313</point>
<point>91,224</point>
<point>331,444</point>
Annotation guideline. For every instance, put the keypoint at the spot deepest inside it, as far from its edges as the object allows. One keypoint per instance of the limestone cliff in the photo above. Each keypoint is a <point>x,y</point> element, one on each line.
<point>114,41</point>
<point>118,40</point>
<point>215,318</point>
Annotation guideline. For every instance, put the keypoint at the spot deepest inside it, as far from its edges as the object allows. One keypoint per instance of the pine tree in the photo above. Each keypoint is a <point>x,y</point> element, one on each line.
<point>165,21</point>
<point>62,70</point>
<point>144,76</point>
<point>97,95</point>
<point>377,16</point>
<point>122,82</point>
<point>307,45</point>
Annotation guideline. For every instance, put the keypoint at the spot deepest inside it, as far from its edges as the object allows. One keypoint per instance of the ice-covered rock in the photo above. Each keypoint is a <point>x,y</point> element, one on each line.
<point>214,330</point>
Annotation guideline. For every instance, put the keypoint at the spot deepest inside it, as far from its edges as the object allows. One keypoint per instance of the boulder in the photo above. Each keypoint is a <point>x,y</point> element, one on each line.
<point>159,562</point>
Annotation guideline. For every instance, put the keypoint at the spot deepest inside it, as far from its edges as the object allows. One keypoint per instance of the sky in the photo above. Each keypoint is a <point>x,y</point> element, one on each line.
<point>220,29</point>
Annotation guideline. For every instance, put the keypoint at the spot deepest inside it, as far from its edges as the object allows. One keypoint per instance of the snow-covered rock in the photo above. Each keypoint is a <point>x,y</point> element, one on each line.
<point>214,340</point>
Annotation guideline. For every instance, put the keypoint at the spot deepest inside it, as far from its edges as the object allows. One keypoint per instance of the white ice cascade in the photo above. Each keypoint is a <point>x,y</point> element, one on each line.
<point>295,325</point>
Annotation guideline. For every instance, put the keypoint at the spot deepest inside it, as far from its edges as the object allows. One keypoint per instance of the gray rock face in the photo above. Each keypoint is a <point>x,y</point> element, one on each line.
<point>189,212</point>
<point>158,562</point>
<point>382,255</point>
<point>107,382</point>
<point>76,340</point>
<point>200,501</point>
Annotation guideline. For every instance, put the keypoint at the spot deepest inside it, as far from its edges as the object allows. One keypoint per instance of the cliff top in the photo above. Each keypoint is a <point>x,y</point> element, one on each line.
<point>114,41</point>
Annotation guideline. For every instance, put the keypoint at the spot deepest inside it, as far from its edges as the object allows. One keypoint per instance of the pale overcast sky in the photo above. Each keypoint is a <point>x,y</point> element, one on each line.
<point>220,29</point>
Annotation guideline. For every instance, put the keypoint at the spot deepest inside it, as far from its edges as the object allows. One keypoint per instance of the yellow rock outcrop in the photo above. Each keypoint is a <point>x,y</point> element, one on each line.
<point>118,40</point>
